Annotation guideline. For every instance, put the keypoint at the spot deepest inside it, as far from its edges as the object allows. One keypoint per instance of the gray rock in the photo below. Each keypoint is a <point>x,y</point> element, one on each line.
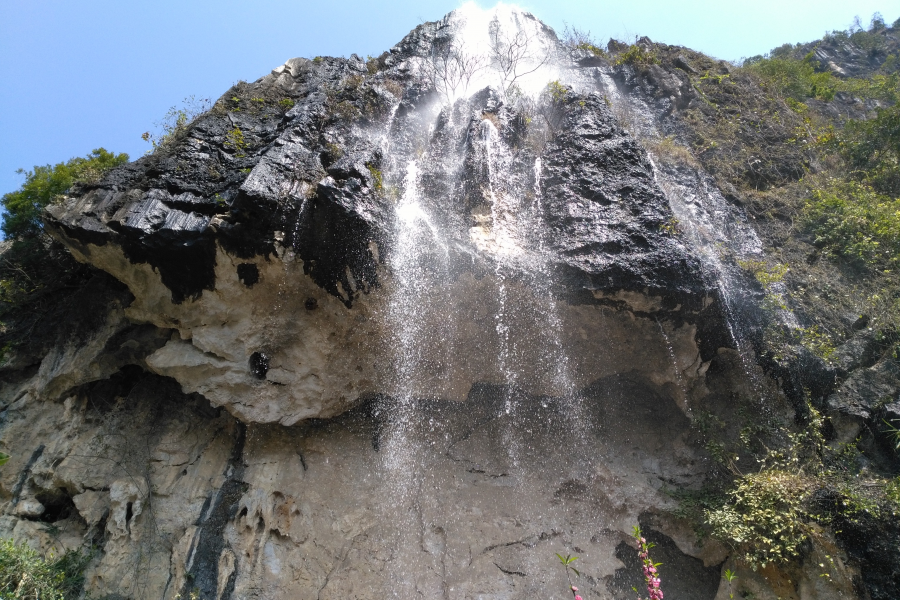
<point>864,393</point>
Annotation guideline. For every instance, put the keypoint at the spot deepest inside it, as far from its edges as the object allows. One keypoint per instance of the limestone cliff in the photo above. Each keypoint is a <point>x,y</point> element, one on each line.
<point>358,332</point>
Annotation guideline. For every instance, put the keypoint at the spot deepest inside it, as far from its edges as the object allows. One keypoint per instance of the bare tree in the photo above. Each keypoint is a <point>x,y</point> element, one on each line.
<point>451,68</point>
<point>514,56</point>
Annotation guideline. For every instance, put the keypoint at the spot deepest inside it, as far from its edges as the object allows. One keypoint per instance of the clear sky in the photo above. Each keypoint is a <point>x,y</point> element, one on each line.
<point>77,75</point>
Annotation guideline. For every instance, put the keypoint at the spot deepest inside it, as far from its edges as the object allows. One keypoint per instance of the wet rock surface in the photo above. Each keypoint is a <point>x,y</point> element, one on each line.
<point>353,340</point>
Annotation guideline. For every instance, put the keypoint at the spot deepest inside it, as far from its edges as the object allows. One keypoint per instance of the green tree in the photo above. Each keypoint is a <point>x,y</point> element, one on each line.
<point>32,264</point>
<point>23,207</point>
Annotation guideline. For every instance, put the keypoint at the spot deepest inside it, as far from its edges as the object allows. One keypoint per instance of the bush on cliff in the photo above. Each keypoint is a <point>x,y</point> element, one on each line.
<point>31,261</point>
<point>25,574</point>
<point>35,271</point>
<point>23,207</point>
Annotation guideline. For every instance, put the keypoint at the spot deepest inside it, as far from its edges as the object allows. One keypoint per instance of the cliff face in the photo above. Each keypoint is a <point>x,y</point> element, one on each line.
<point>387,336</point>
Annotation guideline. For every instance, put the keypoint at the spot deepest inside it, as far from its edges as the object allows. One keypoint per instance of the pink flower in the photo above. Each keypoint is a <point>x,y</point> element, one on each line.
<point>577,597</point>
<point>574,589</point>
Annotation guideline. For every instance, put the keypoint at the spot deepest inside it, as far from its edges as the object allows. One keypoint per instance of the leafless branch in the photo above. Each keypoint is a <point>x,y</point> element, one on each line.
<point>451,68</point>
<point>514,56</point>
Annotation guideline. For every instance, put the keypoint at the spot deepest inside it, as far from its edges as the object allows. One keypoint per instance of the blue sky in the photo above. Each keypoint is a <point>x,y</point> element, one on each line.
<point>80,75</point>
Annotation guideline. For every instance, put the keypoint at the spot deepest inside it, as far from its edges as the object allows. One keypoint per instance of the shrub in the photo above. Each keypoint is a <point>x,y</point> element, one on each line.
<point>557,91</point>
<point>872,149</point>
<point>234,139</point>
<point>817,341</point>
<point>851,219</point>
<point>377,177</point>
<point>372,64</point>
<point>25,574</point>
<point>579,39</point>
<point>765,518</point>
<point>798,80</point>
<point>769,278</point>
<point>44,184</point>
<point>176,120</point>
<point>34,265</point>
<point>636,56</point>
<point>794,78</point>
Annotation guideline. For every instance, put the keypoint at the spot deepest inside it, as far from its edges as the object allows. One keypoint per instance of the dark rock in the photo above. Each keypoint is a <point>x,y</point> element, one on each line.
<point>862,396</point>
<point>861,351</point>
<point>682,576</point>
<point>259,365</point>
<point>861,323</point>
<point>248,273</point>
<point>682,63</point>
<point>605,212</point>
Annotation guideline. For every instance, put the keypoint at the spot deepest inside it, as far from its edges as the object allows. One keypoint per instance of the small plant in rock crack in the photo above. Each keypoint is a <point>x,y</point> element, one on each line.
<point>567,563</point>
<point>234,139</point>
<point>730,576</point>
<point>892,431</point>
<point>651,575</point>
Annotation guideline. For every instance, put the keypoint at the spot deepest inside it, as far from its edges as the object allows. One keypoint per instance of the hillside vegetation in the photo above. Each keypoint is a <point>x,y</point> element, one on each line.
<point>806,140</point>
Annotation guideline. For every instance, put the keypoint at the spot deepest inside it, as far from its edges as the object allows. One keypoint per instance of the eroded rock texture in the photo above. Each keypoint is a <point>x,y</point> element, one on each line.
<point>375,344</point>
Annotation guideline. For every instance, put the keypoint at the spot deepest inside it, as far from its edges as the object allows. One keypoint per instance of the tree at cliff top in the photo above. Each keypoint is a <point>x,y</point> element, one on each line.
<point>22,220</point>
<point>33,265</point>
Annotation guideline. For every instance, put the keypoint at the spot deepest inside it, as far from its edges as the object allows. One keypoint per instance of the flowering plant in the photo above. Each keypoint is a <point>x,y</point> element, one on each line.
<point>567,563</point>
<point>651,575</point>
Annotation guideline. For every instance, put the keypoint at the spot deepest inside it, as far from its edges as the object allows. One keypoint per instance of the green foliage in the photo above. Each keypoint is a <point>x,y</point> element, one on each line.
<point>377,176</point>
<point>668,150</point>
<point>765,518</point>
<point>636,56</point>
<point>693,505</point>
<point>578,39</point>
<point>335,152</point>
<point>567,563</point>
<point>729,576</point>
<point>557,91</point>
<point>593,49</point>
<point>221,203</point>
<point>234,139</point>
<point>353,82</point>
<point>892,431</point>
<point>44,184</point>
<point>286,104</point>
<point>851,219</point>
<point>670,227</point>
<point>892,492</point>
<point>890,65</point>
<point>4,458</point>
<point>872,149</point>
<point>568,560</point>
<point>768,277</point>
<point>176,121</point>
<point>25,574</point>
<point>798,80</point>
<point>34,266</point>
<point>817,341</point>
